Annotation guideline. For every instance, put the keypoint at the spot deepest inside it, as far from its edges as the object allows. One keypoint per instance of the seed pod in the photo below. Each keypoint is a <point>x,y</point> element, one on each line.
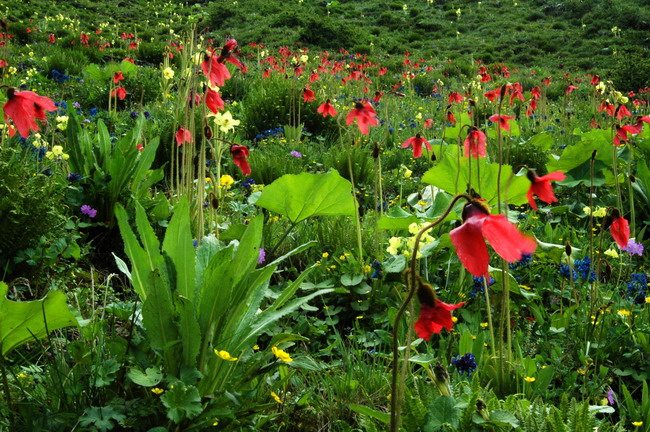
<point>375,151</point>
<point>207,131</point>
<point>567,249</point>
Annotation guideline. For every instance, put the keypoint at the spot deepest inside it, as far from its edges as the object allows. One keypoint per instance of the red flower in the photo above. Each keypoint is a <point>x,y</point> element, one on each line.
<point>535,93</point>
<point>24,107</point>
<point>595,80</point>
<point>308,95</point>
<point>546,81</point>
<point>622,111</point>
<point>327,108</point>
<point>51,38</point>
<point>607,107</point>
<point>492,95</point>
<point>183,136</point>
<point>213,100</point>
<point>541,186</point>
<point>475,143</point>
<point>240,155</point>
<point>622,131</point>
<point>417,141</point>
<point>120,92</point>
<point>117,77</point>
<point>314,77</point>
<point>428,123</point>
<point>378,96</point>
<point>455,97</point>
<point>84,38</point>
<point>502,120</point>
<point>570,88</point>
<point>450,118</point>
<point>214,68</point>
<point>479,225</point>
<point>620,230</point>
<point>433,318</point>
<point>365,115</point>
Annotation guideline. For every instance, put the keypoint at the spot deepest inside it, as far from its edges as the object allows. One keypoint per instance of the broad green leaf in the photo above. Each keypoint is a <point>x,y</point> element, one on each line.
<point>452,176</point>
<point>94,72</point>
<point>395,264</point>
<point>351,280</point>
<point>576,154</point>
<point>582,174</point>
<point>443,411</point>
<point>178,247</point>
<point>451,133</point>
<point>396,219</point>
<point>504,418</point>
<point>150,377</point>
<point>422,359</point>
<point>182,401</point>
<point>189,331</point>
<point>21,322</point>
<point>542,140</point>
<point>158,313</point>
<point>301,196</point>
<point>139,270</point>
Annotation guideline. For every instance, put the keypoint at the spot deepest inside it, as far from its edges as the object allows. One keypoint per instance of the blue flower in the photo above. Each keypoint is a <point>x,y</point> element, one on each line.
<point>93,112</point>
<point>465,364</point>
<point>523,262</point>
<point>636,288</point>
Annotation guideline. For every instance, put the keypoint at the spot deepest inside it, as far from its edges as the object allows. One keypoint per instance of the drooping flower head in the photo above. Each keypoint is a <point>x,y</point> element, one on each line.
<point>213,100</point>
<point>478,226</point>
<point>214,67</point>
<point>308,95</point>
<point>620,229</point>
<point>417,142</point>
<point>327,109</point>
<point>502,120</point>
<point>541,186</point>
<point>434,314</point>
<point>365,116</point>
<point>24,107</point>
<point>240,155</point>
<point>475,143</point>
<point>183,136</point>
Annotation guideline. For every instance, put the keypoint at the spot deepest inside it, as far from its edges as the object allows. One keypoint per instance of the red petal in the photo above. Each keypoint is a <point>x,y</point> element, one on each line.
<point>506,239</point>
<point>620,230</point>
<point>434,319</point>
<point>470,246</point>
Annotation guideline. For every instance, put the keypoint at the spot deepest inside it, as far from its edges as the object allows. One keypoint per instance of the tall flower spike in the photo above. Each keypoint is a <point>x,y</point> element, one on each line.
<point>478,226</point>
<point>24,107</point>
<point>541,186</point>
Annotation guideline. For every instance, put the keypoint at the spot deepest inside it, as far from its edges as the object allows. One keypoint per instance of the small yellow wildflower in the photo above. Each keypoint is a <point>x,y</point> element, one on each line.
<point>226,181</point>
<point>394,244</point>
<point>22,375</point>
<point>611,252</point>
<point>408,173</point>
<point>216,423</point>
<point>624,312</point>
<point>325,254</point>
<point>600,212</point>
<point>367,268</point>
<point>276,397</point>
<point>529,379</point>
<point>157,391</point>
<point>342,257</point>
<point>360,317</point>
<point>168,73</point>
<point>282,355</point>
<point>637,423</point>
<point>256,347</point>
<point>454,319</point>
<point>647,300</point>
<point>484,324</point>
<point>225,355</point>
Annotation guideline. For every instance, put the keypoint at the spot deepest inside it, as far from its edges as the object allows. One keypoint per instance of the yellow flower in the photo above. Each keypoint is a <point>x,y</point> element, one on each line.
<point>168,73</point>
<point>282,355</point>
<point>22,375</point>
<point>414,228</point>
<point>624,312</point>
<point>484,324</point>
<point>325,254</point>
<point>342,257</point>
<point>600,212</point>
<point>360,317</point>
<point>454,319</point>
<point>611,252</point>
<point>276,397</point>
<point>367,268</point>
<point>226,181</point>
<point>225,121</point>
<point>529,379</point>
<point>647,300</point>
<point>394,244</point>
<point>407,173</point>
<point>157,390</point>
<point>637,423</point>
<point>225,355</point>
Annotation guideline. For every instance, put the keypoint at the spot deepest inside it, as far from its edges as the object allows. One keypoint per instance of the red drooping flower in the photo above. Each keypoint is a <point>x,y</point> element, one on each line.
<point>532,106</point>
<point>378,96</point>
<point>475,143</point>
<point>240,155</point>
<point>450,118</point>
<point>546,81</point>
<point>183,136</point>
<point>308,95</point>
<point>213,100</point>
<point>417,142</point>
<point>502,120</point>
<point>51,38</point>
<point>434,314</point>
<point>570,88</point>
<point>117,77</point>
<point>609,108</point>
<point>535,93</point>
<point>595,80</point>
<point>492,95</point>
<point>622,111</point>
<point>120,92</point>
<point>620,230</point>
<point>24,107</point>
<point>455,97</point>
<point>428,123</point>
<point>478,226</point>
<point>622,131</point>
<point>214,68</point>
<point>327,109</point>
<point>365,115</point>
<point>541,186</point>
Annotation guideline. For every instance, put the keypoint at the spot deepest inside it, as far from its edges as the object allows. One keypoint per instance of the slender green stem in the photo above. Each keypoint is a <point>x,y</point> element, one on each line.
<point>396,407</point>
<point>284,236</point>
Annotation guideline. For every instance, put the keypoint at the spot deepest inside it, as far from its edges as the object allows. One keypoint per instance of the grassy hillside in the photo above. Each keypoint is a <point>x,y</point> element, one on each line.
<point>598,35</point>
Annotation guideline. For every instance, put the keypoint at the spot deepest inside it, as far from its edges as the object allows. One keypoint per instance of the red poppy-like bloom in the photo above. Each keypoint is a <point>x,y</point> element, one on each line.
<point>213,100</point>
<point>120,92</point>
<point>570,88</point>
<point>327,109</point>
<point>609,108</point>
<point>428,123</point>
<point>308,95</point>
<point>117,77</point>
<point>365,115</point>
<point>541,186</point>
<point>532,106</point>
<point>620,230</point>
<point>502,120</point>
<point>455,97</point>
<point>595,80</point>
<point>183,136</point>
<point>240,155</point>
<point>51,38</point>
<point>492,95</point>
<point>433,318</point>
<point>417,141</point>
<point>622,112</point>
<point>378,96</point>
<point>24,107</point>
<point>535,93</point>
<point>622,131</point>
<point>475,143</point>
<point>450,118</point>
<point>546,81</point>
<point>478,226</point>
<point>214,68</point>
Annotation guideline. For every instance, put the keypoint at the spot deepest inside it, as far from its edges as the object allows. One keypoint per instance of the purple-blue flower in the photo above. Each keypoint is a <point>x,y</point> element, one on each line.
<point>634,248</point>
<point>262,256</point>
<point>88,211</point>
<point>295,154</point>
